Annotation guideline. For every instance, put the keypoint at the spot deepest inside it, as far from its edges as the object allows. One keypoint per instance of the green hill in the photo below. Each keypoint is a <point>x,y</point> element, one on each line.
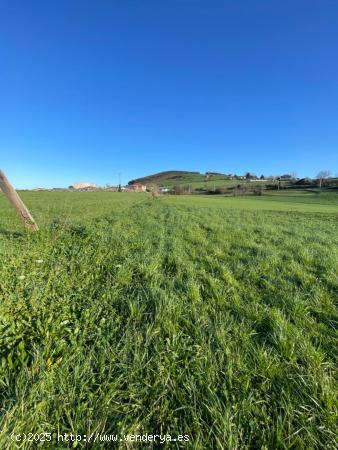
<point>167,176</point>
<point>181,177</point>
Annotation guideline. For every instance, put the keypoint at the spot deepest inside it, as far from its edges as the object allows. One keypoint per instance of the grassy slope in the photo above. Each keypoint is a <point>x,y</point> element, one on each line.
<point>162,316</point>
<point>196,180</point>
<point>170,176</point>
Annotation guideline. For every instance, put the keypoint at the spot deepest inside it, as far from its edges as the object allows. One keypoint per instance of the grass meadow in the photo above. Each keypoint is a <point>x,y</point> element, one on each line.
<point>205,316</point>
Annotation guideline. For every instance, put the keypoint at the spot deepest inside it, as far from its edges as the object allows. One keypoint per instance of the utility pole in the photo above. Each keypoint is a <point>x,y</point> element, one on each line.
<point>17,203</point>
<point>119,174</point>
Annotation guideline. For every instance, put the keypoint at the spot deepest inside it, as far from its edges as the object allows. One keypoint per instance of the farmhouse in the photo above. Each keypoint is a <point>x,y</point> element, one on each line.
<point>137,187</point>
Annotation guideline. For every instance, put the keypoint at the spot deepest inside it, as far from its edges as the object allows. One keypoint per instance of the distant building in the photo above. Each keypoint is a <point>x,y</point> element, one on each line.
<point>112,188</point>
<point>84,185</point>
<point>136,187</point>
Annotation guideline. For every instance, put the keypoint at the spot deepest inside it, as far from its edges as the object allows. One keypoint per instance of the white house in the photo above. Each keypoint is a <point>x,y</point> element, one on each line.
<point>84,185</point>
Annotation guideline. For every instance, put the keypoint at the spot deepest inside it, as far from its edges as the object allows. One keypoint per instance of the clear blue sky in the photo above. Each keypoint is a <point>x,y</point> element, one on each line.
<point>92,88</point>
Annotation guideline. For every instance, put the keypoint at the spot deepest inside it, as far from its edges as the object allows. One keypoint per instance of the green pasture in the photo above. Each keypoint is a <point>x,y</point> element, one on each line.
<point>208,316</point>
<point>275,201</point>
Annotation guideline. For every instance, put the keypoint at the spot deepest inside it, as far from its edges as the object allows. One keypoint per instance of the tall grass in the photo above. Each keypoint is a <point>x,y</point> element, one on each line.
<point>155,317</point>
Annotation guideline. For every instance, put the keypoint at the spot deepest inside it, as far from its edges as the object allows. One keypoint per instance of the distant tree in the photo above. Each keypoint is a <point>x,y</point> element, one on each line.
<point>323,175</point>
<point>250,176</point>
<point>152,187</point>
<point>178,190</point>
<point>261,177</point>
<point>154,194</point>
<point>221,190</point>
<point>258,191</point>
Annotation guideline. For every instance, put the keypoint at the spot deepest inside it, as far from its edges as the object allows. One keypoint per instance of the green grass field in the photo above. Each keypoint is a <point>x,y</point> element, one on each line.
<point>291,201</point>
<point>212,317</point>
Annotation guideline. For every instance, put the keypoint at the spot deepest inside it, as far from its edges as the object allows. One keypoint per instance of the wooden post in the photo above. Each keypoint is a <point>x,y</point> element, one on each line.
<point>17,203</point>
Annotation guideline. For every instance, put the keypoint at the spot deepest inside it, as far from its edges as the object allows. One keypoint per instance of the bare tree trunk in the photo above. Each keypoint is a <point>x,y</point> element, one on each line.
<point>17,203</point>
